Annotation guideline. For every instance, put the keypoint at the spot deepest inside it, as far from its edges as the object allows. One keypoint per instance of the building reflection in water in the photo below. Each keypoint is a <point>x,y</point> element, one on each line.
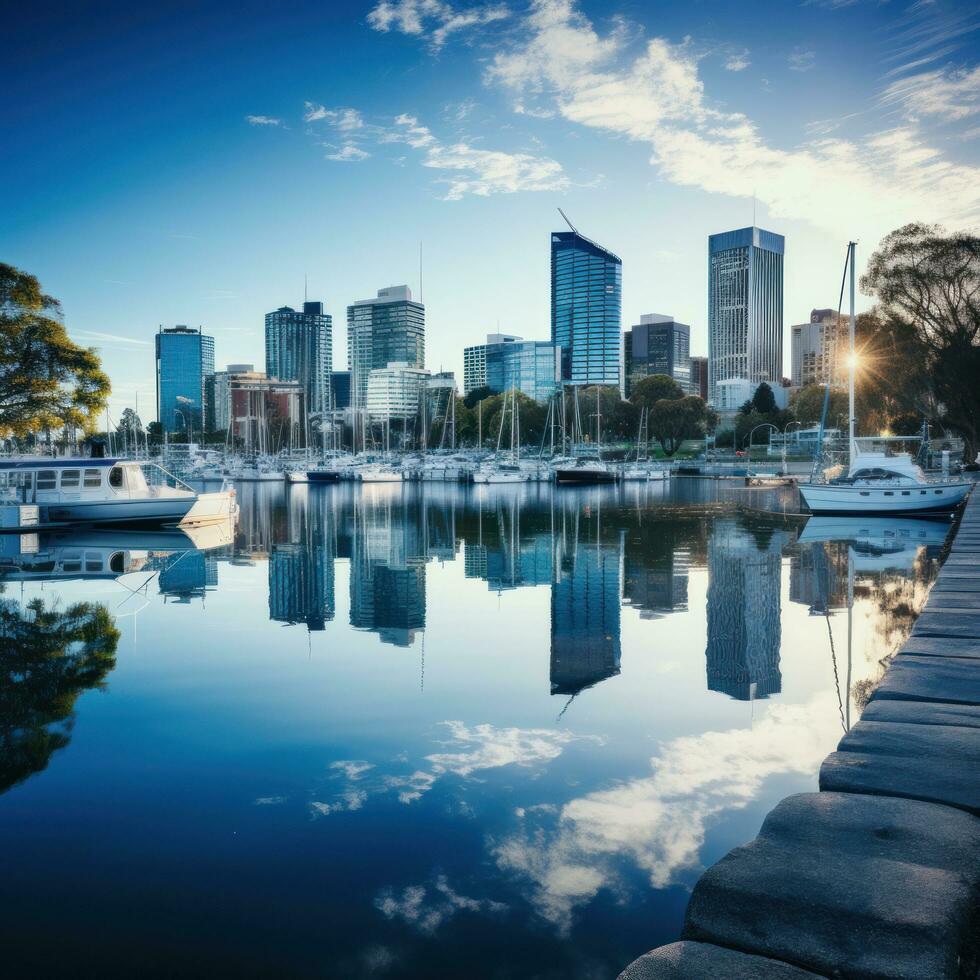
<point>744,567</point>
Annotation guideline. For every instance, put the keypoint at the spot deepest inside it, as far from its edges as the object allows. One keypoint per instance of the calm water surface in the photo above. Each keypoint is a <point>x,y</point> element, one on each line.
<point>420,731</point>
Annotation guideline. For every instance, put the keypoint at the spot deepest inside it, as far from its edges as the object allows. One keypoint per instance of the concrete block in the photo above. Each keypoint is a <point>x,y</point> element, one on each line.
<point>936,763</point>
<point>955,680</point>
<point>922,713</point>
<point>846,885</point>
<point>942,646</point>
<point>698,961</point>
<point>959,600</point>
<point>934,624</point>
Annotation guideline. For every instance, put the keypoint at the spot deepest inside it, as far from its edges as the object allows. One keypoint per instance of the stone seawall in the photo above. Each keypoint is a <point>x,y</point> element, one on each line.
<point>878,874</point>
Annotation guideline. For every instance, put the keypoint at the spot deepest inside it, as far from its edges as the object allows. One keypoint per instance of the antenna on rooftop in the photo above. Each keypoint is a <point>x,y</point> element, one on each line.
<point>420,270</point>
<point>306,288</point>
<point>567,222</point>
<point>753,207</point>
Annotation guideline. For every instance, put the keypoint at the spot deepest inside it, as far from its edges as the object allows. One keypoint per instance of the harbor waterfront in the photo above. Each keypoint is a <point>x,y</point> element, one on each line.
<point>419,729</point>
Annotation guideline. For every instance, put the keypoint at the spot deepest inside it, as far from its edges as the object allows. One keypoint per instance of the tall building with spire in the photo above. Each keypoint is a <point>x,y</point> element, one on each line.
<point>586,309</point>
<point>745,307</point>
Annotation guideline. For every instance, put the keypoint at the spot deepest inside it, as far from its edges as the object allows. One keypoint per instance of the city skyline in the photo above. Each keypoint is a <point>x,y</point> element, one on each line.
<point>464,128</point>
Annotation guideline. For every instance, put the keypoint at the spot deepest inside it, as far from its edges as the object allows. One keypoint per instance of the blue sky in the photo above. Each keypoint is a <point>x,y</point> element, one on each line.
<point>193,162</point>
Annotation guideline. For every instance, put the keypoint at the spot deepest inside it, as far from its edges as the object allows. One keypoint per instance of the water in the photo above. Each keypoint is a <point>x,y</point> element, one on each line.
<point>421,731</point>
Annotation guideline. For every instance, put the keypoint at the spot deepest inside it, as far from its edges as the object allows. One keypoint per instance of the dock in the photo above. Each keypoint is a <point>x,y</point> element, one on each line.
<point>878,874</point>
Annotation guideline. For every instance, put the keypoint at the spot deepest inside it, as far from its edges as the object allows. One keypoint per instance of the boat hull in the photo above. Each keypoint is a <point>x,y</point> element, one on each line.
<point>158,510</point>
<point>827,498</point>
<point>322,476</point>
<point>583,477</point>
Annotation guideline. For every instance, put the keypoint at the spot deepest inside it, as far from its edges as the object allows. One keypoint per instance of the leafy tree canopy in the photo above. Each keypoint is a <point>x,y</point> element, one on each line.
<point>673,420</point>
<point>46,380</point>
<point>648,391</point>
<point>763,400</point>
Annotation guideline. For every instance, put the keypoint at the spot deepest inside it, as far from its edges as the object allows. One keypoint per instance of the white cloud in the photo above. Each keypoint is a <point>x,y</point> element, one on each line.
<point>348,153</point>
<point>948,95</point>
<point>487,747</point>
<point>428,908</point>
<point>738,61</point>
<point>801,60</point>
<point>658,822</point>
<point>269,800</point>
<point>345,120</point>
<point>353,769</point>
<point>473,170</point>
<point>108,338</point>
<point>433,19</point>
<point>263,121</point>
<point>862,187</point>
<point>352,799</point>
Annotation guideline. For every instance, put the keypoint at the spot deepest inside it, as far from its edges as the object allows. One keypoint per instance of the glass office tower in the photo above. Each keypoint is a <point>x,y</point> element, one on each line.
<point>533,367</point>
<point>586,302</point>
<point>387,329</point>
<point>299,347</point>
<point>657,345</point>
<point>745,307</point>
<point>184,361</point>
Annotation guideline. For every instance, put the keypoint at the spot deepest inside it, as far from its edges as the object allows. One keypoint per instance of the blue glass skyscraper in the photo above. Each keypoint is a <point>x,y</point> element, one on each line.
<point>586,309</point>
<point>184,360</point>
<point>531,366</point>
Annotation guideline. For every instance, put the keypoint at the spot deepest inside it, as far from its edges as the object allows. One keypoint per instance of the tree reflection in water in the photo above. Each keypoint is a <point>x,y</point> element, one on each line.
<point>48,657</point>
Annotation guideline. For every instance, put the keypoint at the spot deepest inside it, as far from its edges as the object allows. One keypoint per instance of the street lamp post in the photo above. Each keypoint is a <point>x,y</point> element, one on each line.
<point>761,425</point>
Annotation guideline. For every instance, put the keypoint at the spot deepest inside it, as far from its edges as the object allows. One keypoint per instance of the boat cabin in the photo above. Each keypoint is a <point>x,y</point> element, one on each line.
<point>54,481</point>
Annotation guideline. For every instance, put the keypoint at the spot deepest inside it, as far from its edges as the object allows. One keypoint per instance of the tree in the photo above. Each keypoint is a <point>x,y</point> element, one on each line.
<point>48,657</point>
<point>672,420</point>
<point>807,405</point>
<point>46,380</point>
<point>477,395</point>
<point>763,400</point>
<point>130,423</point>
<point>928,280</point>
<point>648,391</point>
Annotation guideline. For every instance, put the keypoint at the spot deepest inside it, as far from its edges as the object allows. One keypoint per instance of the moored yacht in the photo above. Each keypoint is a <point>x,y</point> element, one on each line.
<point>584,472</point>
<point>108,491</point>
<point>877,483</point>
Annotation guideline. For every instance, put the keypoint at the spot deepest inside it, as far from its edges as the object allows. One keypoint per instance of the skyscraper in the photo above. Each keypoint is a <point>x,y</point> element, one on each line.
<point>184,360</point>
<point>299,347</point>
<point>745,307</point>
<point>586,302</point>
<point>699,377</point>
<point>658,344</point>
<point>387,329</point>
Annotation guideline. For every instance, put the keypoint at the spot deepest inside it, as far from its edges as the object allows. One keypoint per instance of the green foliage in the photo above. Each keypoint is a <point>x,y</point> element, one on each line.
<point>477,395</point>
<point>763,400</point>
<point>48,657</point>
<point>807,405</point>
<point>672,420</point>
<point>927,283</point>
<point>46,380</point>
<point>648,391</point>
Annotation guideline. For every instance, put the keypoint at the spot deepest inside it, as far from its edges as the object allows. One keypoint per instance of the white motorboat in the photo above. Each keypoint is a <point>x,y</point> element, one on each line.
<point>878,483</point>
<point>108,491</point>
<point>585,472</point>
<point>500,473</point>
<point>379,474</point>
<point>644,472</point>
<point>297,476</point>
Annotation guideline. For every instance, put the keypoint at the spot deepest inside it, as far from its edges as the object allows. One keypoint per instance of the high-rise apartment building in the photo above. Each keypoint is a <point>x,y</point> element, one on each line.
<point>395,391</point>
<point>299,347</point>
<point>658,344</point>
<point>816,349</point>
<point>475,361</point>
<point>184,361</point>
<point>340,387</point>
<point>745,307</point>
<point>586,305</point>
<point>218,399</point>
<point>388,329</point>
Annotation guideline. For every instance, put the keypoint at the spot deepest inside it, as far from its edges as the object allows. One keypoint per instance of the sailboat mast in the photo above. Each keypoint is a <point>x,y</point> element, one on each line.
<point>850,392</point>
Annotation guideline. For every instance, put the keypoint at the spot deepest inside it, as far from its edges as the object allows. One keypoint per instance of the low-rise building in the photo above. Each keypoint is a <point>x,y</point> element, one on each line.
<point>394,392</point>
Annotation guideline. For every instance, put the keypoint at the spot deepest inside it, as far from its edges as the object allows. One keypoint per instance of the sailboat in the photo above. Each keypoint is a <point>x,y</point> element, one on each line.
<point>588,471</point>
<point>878,483</point>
